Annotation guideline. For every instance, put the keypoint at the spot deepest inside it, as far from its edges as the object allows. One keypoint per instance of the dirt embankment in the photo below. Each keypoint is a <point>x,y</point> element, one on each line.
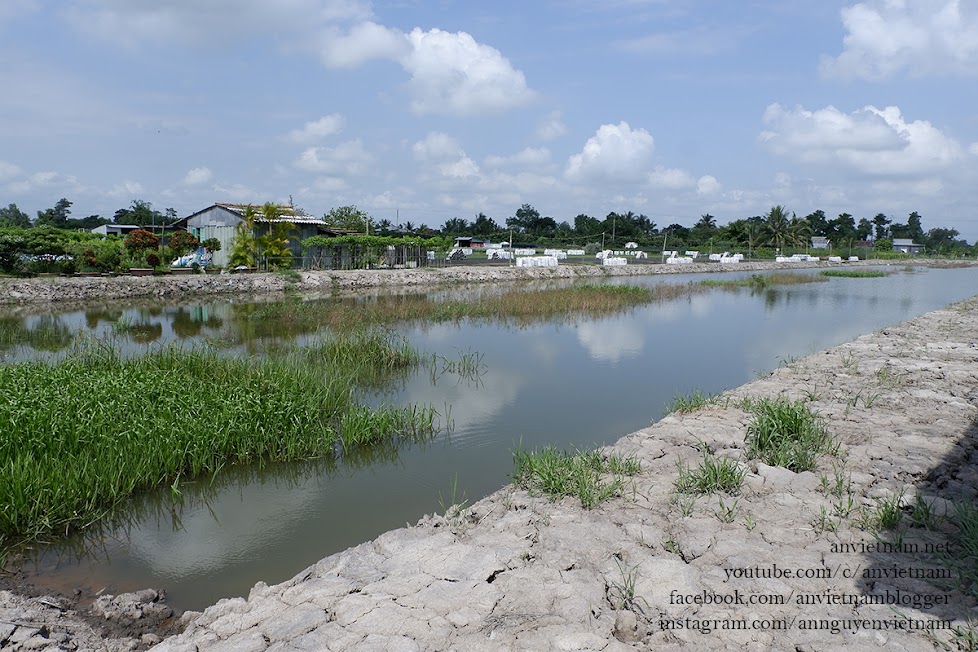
<point>106,288</point>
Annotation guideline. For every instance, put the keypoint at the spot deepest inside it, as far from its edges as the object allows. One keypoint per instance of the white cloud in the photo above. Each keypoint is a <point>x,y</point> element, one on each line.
<point>318,129</point>
<point>670,178</point>
<point>551,127</point>
<point>349,158</point>
<point>330,184</point>
<point>707,185</point>
<point>197,176</point>
<point>190,21</point>
<point>364,42</point>
<point>528,157</point>
<point>464,167</point>
<point>452,73</point>
<point>8,170</point>
<point>973,149</point>
<point>127,188</point>
<point>436,146</point>
<point>923,37</point>
<point>870,140</point>
<point>615,153</point>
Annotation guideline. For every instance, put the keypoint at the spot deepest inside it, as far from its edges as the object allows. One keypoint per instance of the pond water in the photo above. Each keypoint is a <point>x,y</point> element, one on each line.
<point>571,383</point>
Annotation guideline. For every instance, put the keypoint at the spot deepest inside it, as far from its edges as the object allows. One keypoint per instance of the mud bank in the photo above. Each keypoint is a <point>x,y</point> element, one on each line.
<point>87,289</point>
<point>793,562</point>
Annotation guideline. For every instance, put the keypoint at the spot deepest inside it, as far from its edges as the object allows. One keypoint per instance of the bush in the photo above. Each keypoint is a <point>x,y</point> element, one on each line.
<point>141,240</point>
<point>211,244</point>
<point>182,242</point>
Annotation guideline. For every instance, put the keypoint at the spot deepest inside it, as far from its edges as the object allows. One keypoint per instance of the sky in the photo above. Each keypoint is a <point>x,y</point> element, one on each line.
<point>425,111</point>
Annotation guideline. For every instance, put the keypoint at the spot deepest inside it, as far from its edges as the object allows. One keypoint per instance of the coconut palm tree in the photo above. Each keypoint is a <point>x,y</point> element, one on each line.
<point>274,243</point>
<point>777,225</point>
<point>799,232</point>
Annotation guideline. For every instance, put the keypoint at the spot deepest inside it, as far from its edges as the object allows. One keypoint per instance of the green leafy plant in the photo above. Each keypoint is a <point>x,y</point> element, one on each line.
<point>788,434</point>
<point>711,476</point>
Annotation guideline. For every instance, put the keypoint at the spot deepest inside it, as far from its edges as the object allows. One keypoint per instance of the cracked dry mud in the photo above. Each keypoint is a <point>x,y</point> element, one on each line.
<point>520,572</point>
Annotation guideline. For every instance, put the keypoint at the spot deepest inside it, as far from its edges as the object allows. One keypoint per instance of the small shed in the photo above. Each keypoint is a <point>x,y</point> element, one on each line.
<point>907,246</point>
<point>115,229</point>
<point>820,242</point>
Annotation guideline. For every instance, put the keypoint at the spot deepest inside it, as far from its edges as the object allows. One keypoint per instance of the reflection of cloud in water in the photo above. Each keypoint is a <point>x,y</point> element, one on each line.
<point>618,338</point>
<point>611,341</point>
<point>473,405</point>
<point>236,525</point>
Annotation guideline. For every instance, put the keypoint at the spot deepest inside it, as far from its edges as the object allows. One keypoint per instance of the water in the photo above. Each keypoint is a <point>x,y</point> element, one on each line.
<point>575,383</point>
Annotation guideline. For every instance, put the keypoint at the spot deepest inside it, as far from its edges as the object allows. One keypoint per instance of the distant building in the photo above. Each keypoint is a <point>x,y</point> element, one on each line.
<point>465,242</point>
<point>115,229</point>
<point>820,242</point>
<point>907,246</point>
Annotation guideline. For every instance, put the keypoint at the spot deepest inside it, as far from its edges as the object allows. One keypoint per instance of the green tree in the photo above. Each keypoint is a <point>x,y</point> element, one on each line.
<point>243,250</point>
<point>56,217</point>
<point>705,228</point>
<point>864,229</point>
<point>348,218</point>
<point>777,224</point>
<point>818,223</point>
<point>585,225</point>
<point>880,222</point>
<point>13,217</point>
<point>915,230</point>
<point>484,225</point>
<point>142,213</point>
<point>841,228</point>
<point>799,232</point>
<point>455,227</point>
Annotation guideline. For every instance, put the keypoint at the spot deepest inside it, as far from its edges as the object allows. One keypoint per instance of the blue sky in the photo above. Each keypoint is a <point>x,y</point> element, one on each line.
<point>424,111</point>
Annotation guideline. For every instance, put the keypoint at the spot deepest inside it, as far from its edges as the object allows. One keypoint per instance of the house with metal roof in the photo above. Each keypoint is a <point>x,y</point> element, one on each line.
<point>220,220</point>
<point>907,246</point>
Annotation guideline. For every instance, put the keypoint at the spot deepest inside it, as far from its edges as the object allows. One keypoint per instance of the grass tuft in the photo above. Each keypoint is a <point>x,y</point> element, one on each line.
<point>587,475</point>
<point>788,434</point>
<point>712,476</point>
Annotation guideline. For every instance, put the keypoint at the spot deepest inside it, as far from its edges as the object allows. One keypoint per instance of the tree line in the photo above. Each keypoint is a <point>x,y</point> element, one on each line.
<point>138,213</point>
<point>778,228</point>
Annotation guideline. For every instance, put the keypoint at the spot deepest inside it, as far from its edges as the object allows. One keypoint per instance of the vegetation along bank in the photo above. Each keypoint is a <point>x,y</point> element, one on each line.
<point>102,288</point>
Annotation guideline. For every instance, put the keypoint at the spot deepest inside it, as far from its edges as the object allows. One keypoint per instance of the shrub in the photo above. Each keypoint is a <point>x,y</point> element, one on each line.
<point>182,242</point>
<point>211,244</point>
<point>141,240</point>
<point>152,259</point>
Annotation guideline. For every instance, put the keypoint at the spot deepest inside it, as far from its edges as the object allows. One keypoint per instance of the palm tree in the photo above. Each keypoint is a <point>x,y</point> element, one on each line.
<point>274,243</point>
<point>244,246</point>
<point>799,232</point>
<point>777,226</point>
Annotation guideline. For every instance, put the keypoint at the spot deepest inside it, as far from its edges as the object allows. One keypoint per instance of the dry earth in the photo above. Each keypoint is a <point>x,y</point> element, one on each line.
<point>517,571</point>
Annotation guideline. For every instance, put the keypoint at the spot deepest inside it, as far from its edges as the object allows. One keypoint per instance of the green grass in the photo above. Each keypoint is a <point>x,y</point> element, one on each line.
<point>787,433</point>
<point>690,402</point>
<point>854,273</point>
<point>714,475</point>
<point>515,306</point>
<point>83,434</point>
<point>587,475</point>
<point>762,281</point>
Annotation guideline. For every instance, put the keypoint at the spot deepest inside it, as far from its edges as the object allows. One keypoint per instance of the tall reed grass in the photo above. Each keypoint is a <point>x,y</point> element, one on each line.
<point>510,306</point>
<point>81,435</point>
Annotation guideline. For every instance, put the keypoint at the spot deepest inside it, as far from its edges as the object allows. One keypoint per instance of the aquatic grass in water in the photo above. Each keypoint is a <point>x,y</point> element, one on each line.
<point>512,306</point>
<point>854,273</point>
<point>762,281</point>
<point>587,475</point>
<point>79,436</point>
